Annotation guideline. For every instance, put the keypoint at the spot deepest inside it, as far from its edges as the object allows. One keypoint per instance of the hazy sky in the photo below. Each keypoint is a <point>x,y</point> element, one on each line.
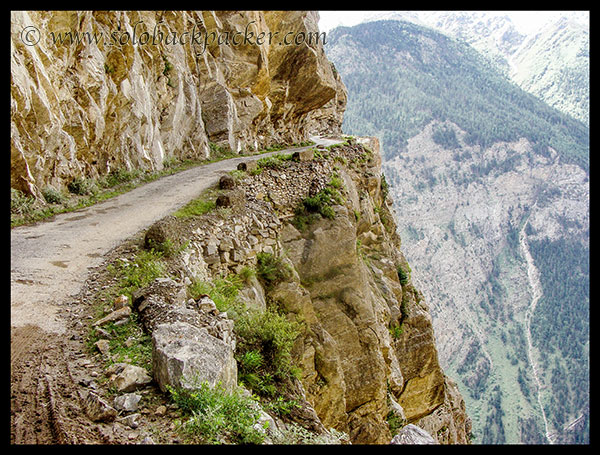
<point>525,21</point>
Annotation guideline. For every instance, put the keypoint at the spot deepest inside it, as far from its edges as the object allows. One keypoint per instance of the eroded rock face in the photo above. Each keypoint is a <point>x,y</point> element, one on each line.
<point>83,109</point>
<point>368,347</point>
<point>368,333</point>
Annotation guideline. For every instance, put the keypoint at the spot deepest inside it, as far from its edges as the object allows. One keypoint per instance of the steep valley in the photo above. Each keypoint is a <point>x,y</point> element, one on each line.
<point>489,185</point>
<point>462,235</point>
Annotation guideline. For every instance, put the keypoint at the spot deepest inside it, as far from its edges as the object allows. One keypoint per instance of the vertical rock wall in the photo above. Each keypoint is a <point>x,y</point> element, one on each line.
<point>96,91</point>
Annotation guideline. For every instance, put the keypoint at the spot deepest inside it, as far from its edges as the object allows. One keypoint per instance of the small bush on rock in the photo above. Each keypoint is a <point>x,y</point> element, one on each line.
<point>265,341</point>
<point>271,269</point>
<point>217,417</point>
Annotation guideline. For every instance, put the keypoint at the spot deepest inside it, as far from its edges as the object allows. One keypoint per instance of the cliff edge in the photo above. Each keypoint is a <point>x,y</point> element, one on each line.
<point>293,272</point>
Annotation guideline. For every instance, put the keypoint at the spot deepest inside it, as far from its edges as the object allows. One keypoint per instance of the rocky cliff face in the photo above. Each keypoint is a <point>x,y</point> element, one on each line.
<point>93,92</point>
<point>367,348</point>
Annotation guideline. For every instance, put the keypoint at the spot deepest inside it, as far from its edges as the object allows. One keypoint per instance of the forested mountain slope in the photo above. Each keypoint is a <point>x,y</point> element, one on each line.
<point>484,176</point>
<point>419,75</point>
<point>550,61</point>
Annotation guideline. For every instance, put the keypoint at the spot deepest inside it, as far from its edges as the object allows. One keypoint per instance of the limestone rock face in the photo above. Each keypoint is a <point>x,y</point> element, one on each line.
<point>368,333</point>
<point>106,90</point>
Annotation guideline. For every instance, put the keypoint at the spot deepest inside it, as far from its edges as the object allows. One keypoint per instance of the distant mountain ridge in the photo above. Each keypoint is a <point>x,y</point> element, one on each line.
<point>554,65</point>
<point>432,76</point>
<point>552,62</point>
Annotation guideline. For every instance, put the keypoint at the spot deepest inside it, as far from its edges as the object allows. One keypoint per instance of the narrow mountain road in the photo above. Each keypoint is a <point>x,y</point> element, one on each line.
<point>49,260</point>
<point>50,263</point>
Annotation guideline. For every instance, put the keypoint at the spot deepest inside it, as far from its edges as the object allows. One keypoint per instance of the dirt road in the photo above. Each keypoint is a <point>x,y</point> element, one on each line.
<point>49,263</point>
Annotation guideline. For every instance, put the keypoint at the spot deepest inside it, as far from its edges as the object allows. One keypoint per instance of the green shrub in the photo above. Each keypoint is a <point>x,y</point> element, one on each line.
<point>302,218</point>
<point>129,343</point>
<point>336,182</point>
<point>385,187</point>
<point>281,406</point>
<point>271,269</point>
<point>119,176</point>
<point>321,203</point>
<point>238,175</point>
<point>219,152</point>
<point>403,276</point>
<point>146,267</point>
<point>20,203</point>
<point>396,331</point>
<point>274,161</point>
<point>395,422</point>
<point>253,373</point>
<point>168,66</point>
<point>223,291</point>
<point>197,207</point>
<point>251,361</point>
<point>246,274</point>
<point>53,196</point>
<point>81,186</point>
<point>265,341</point>
<point>218,417</point>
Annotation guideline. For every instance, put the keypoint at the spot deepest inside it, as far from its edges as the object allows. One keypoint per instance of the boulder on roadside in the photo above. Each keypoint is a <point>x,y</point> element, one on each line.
<point>226,182</point>
<point>232,198</point>
<point>303,155</point>
<point>155,302</point>
<point>187,356</point>
<point>129,378</point>
<point>96,408</point>
<point>160,233</point>
<point>248,166</point>
<point>127,402</point>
